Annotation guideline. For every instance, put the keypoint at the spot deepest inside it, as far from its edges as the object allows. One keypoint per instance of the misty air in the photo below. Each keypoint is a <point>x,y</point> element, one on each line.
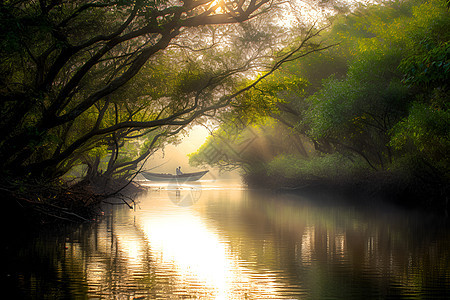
<point>209,149</point>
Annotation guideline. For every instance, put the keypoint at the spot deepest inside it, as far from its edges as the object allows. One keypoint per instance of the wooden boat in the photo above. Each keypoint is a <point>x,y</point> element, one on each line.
<point>170,177</point>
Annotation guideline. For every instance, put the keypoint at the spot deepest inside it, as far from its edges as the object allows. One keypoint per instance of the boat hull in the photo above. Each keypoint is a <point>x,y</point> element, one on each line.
<point>174,178</point>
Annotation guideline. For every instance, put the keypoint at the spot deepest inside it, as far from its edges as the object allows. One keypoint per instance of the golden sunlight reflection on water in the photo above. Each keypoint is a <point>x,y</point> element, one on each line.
<point>212,241</point>
<point>181,240</point>
<point>180,247</point>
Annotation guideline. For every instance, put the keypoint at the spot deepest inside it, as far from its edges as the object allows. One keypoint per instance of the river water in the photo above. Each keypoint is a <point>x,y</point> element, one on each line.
<point>214,240</point>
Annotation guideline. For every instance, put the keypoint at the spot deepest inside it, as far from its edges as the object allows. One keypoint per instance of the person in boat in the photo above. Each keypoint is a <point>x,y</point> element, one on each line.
<point>179,171</point>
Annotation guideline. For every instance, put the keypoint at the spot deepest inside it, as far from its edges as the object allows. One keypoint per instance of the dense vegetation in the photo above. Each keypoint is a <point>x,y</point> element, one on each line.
<point>90,89</point>
<point>370,113</point>
<point>94,87</point>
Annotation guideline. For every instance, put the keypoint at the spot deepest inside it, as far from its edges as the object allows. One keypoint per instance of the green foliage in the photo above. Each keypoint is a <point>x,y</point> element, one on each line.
<point>429,68</point>
<point>372,84</point>
<point>320,167</point>
<point>249,146</point>
<point>428,64</point>
<point>104,84</point>
<point>357,113</point>
<point>426,130</point>
<point>229,147</point>
<point>262,100</point>
<point>378,100</point>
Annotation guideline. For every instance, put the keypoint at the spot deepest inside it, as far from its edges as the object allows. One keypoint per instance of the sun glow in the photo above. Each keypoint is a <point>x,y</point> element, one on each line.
<point>218,7</point>
<point>171,251</point>
<point>184,242</point>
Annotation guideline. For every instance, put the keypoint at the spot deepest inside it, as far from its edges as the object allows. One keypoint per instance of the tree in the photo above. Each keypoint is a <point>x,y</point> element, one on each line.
<point>64,66</point>
<point>378,100</point>
<point>356,114</point>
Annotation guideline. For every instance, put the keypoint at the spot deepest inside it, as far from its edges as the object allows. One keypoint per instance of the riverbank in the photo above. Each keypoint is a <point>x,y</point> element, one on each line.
<point>395,188</point>
<point>49,204</point>
<point>266,246</point>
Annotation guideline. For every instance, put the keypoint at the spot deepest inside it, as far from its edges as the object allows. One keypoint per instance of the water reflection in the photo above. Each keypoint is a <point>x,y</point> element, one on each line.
<point>188,256</point>
<point>184,194</point>
<point>234,244</point>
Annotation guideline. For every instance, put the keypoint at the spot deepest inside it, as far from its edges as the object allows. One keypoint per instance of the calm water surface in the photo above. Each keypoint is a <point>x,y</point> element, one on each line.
<point>215,241</point>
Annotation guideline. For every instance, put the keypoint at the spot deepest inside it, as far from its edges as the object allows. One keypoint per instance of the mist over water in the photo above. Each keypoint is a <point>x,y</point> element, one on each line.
<point>218,240</point>
<point>174,156</point>
<point>313,102</point>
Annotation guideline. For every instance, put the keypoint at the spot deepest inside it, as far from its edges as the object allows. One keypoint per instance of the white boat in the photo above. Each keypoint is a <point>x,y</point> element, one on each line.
<point>170,177</point>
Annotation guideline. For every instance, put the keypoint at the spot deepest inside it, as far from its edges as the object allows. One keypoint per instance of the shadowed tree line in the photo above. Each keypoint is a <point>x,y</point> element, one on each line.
<point>370,114</point>
<point>93,88</point>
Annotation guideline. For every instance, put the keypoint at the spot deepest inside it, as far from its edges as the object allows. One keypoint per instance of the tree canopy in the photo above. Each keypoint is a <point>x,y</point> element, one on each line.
<point>94,87</point>
<point>87,75</point>
<point>376,103</point>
